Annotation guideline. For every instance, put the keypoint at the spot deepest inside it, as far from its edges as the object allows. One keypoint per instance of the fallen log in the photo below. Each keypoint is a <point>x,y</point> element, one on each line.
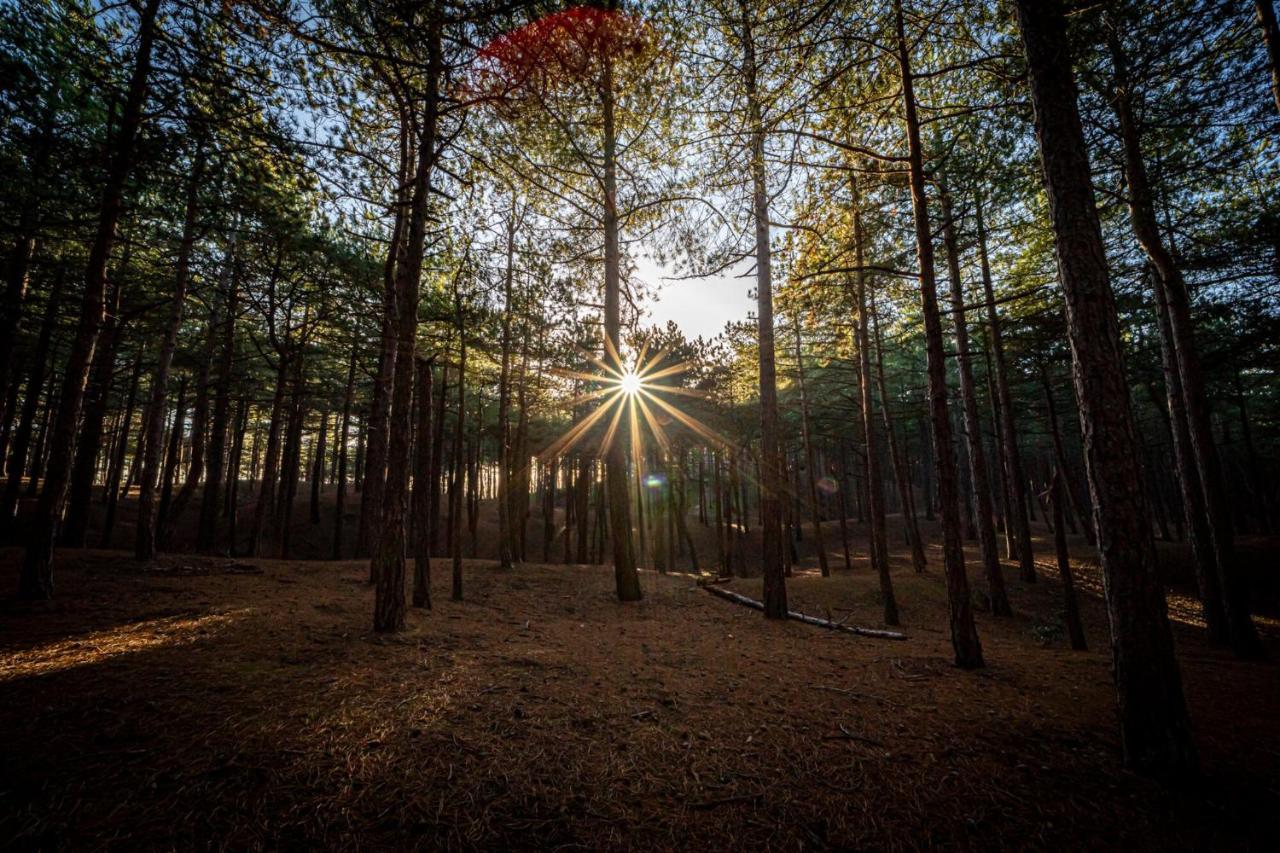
<point>739,598</point>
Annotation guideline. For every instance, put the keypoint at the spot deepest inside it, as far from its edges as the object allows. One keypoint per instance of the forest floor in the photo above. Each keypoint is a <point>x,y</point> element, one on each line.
<point>246,704</point>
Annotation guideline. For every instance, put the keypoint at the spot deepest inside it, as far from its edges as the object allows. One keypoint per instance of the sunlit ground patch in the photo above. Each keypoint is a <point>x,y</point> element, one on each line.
<point>104,645</point>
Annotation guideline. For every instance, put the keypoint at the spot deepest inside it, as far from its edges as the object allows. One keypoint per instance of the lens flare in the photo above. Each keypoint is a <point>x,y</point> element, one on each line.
<point>631,383</point>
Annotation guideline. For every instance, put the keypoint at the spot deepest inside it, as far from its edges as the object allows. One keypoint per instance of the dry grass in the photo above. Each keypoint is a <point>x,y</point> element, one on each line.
<point>203,704</point>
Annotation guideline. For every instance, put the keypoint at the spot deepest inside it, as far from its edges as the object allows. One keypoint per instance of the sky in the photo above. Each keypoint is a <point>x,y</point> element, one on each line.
<point>699,306</point>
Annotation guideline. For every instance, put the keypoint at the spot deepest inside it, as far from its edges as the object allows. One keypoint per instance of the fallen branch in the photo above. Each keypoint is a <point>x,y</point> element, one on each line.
<point>738,598</point>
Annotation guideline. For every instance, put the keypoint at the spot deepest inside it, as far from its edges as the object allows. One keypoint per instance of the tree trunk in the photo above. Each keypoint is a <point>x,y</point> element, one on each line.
<point>1070,610</point>
<point>1014,478</point>
<point>271,464</point>
<point>505,549</point>
<point>964,636</point>
<point>317,468</point>
<point>626,580</point>
<point>810,462</point>
<point>771,487</point>
<point>901,469</point>
<point>1169,279</point>
<point>455,485</point>
<point>111,489</point>
<point>75,524</point>
<point>20,448</point>
<point>344,431</point>
<point>1153,716</point>
<point>879,546</point>
<point>374,469</point>
<point>421,487</point>
<point>987,547</point>
<point>145,541</point>
<point>211,503</point>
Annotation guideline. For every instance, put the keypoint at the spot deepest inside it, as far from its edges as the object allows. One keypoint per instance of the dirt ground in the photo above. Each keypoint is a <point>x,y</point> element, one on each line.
<point>246,704</point>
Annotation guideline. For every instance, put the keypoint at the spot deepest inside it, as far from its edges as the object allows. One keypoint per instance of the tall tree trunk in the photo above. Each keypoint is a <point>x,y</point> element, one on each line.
<point>174,452</point>
<point>291,469</point>
<point>964,636</point>
<point>111,489</point>
<point>626,580</point>
<point>145,542</point>
<point>317,468</point>
<point>24,244</point>
<point>879,549</point>
<point>1153,714</point>
<point>211,503</point>
<point>505,549</point>
<point>374,471</point>
<point>901,468</point>
<point>20,449</point>
<point>771,486</point>
<point>459,430</point>
<point>1169,279</point>
<point>233,477</point>
<point>75,525</point>
<point>1014,478</point>
<point>168,521</point>
<point>987,547</point>
<point>810,462</point>
<point>267,484</point>
<point>344,431</point>
<point>1070,610</point>
<point>421,487</point>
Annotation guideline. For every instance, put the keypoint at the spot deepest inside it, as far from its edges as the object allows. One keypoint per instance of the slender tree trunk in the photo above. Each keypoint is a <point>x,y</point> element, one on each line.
<point>505,550</point>
<point>291,469</point>
<point>111,488</point>
<point>153,426</point>
<point>964,636</point>
<point>20,449</point>
<point>987,548</point>
<point>1015,479</point>
<point>879,549</point>
<point>75,525</point>
<point>211,503</point>
<point>167,521</point>
<point>1153,716</point>
<point>344,431</point>
<point>271,464</point>
<point>233,477</point>
<point>901,469</point>
<point>1169,279</point>
<point>174,452</point>
<point>317,468</point>
<point>421,487</point>
<point>388,562</point>
<point>626,580</point>
<point>374,470</point>
<point>810,463</point>
<point>771,486</point>
<point>1070,610</point>
<point>455,486</point>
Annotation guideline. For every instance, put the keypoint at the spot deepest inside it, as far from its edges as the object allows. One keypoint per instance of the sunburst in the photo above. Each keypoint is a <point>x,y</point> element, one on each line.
<point>629,398</point>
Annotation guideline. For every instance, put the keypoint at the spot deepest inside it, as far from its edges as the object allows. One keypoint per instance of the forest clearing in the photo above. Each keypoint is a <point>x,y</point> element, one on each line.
<point>636,424</point>
<point>204,698</point>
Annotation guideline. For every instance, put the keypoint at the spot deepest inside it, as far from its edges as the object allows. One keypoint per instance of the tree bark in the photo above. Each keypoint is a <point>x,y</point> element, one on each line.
<point>879,549</point>
<point>344,431</point>
<point>1014,477</point>
<point>964,635</point>
<point>422,465</point>
<point>626,580</point>
<point>1265,11</point>
<point>1153,716</point>
<point>987,547</point>
<point>771,485</point>
<point>20,448</point>
<point>211,503</point>
<point>145,541</point>
<point>1169,279</point>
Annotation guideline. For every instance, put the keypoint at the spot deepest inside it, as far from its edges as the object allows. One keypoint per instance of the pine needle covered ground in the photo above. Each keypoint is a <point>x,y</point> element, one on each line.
<point>245,704</point>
